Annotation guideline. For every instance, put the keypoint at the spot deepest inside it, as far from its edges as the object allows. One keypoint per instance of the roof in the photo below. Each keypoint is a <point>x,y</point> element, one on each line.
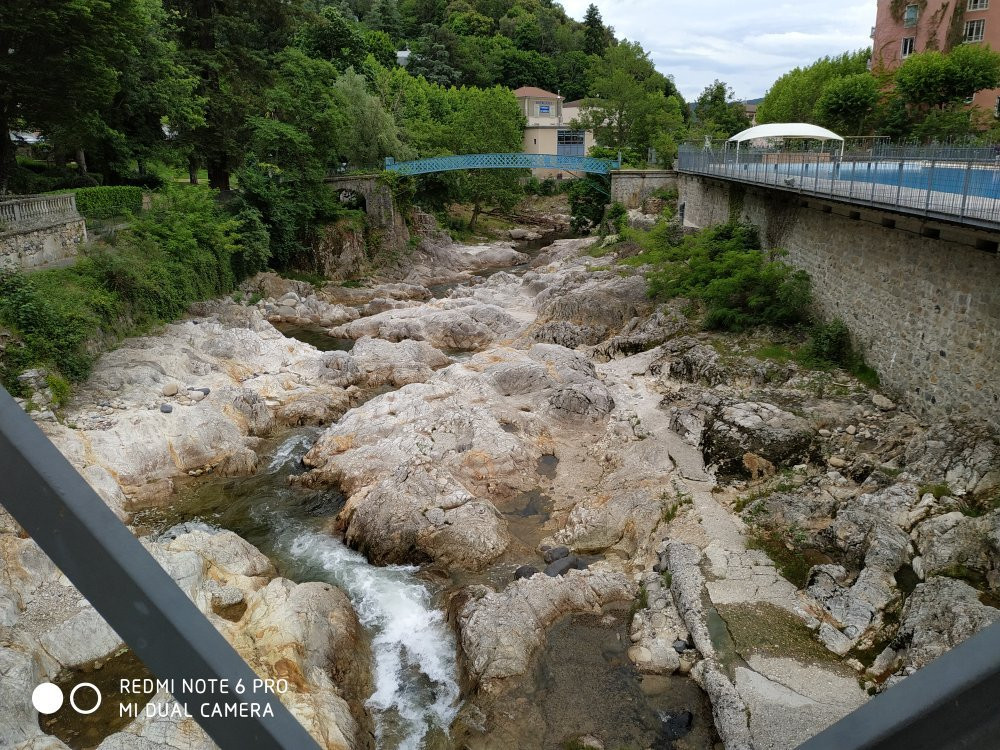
<point>526,91</point>
<point>25,136</point>
<point>786,130</point>
<point>573,104</point>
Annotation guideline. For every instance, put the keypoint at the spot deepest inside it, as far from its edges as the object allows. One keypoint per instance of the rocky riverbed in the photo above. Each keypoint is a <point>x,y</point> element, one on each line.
<point>514,508</point>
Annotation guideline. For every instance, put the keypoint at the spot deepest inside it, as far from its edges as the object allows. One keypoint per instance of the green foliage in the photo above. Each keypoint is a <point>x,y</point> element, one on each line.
<point>65,63</point>
<point>717,112</point>
<point>617,217</point>
<point>595,35</point>
<point>724,267</point>
<point>935,79</point>
<point>794,96</point>
<point>640,602</point>
<point>181,251</point>
<point>332,37</point>
<point>938,490</point>
<point>848,103</point>
<point>588,198</point>
<point>830,344</point>
<point>628,106</point>
<point>105,202</point>
<point>60,388</point>
<point>784,547</point>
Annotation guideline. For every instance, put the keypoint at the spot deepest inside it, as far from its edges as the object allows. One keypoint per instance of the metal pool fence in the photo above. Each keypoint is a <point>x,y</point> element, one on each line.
<point>951,183</point>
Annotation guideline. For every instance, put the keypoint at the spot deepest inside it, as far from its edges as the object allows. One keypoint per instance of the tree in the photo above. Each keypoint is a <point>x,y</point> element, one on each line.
<point>384,16</point>
<point>595,35</point>
<point>627,106</point>
<point>934,87</point>
<point>671,133</point>
<point>848,103</point>
<point>292,144</point>
<point>334,37</point>
<point>61,64</point>
<point>487,121</point>
<point>230,47</point>
<point>572,74</point>
<point>372,133</point>
<point>934,79</point>
<point>793,97</point>
<point>432,60</point>
<point>518,67</point>
<point>154,89</point>
<point>718,114</point>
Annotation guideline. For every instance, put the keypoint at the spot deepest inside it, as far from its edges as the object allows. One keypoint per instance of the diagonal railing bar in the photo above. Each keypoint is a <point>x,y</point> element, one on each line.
<point>137,598</point>
<point>950,703</point>
<point>502,161</point>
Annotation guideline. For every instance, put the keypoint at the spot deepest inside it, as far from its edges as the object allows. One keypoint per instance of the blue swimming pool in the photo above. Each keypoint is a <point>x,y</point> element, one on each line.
<point>981,181</point>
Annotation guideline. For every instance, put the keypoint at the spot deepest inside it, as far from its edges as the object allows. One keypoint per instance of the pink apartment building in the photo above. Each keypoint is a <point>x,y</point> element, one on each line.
<point>902,29</point>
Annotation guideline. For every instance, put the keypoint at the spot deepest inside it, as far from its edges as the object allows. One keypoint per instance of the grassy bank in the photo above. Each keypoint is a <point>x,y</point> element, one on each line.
<point>185,248</point>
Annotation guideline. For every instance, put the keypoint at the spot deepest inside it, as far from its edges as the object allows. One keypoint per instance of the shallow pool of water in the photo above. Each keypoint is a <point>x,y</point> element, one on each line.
<point>317,336</point>
<point>585,684</point>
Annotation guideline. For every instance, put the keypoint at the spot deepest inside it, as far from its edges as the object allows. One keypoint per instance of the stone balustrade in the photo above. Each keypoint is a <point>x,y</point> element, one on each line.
<point>39,230</point>
<point>31,210</point>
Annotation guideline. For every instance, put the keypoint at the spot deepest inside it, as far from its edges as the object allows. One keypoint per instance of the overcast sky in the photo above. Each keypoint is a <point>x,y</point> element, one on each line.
<point>746,44</point>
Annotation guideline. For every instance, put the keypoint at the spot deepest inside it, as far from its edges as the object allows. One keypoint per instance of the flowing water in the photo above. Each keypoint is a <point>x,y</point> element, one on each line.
<point>415,672</point>
<point>583,678</point>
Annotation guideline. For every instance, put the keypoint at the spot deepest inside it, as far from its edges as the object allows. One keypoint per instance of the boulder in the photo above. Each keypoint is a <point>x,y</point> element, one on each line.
<point>733,430</point>
<point>501,630</point>
<point>939,615</point>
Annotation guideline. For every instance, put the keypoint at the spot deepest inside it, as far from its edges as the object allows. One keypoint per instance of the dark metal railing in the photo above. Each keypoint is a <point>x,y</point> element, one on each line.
<point>136,597</point>
<point>963,190</point>
<point>951,703</point>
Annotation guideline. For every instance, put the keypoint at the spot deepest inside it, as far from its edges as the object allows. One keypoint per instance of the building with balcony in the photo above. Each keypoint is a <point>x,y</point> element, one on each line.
<point>905,29</point>
<point>548,130</point>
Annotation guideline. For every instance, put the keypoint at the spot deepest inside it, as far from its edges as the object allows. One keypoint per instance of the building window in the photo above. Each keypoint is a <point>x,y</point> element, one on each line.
<point>978,4</point>
<point>974,30</point>
<point>570,143</point>
<point>910,15</point>
<point>908,46</point>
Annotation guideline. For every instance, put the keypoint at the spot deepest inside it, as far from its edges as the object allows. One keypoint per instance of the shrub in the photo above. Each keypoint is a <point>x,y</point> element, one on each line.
<point>105,202</point>
<point>830,344</point>
<point>588,197</point>
<point>186,248</point>
<point>616,218</point>
<point>740,285</point>
<point>148,181</point>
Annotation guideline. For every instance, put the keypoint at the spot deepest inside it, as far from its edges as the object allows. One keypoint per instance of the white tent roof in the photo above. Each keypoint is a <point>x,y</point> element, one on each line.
<point>786,130</point>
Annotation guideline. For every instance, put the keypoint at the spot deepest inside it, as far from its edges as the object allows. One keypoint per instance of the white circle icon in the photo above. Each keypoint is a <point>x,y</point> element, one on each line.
<point>72,696</point>
<point>47,698</point>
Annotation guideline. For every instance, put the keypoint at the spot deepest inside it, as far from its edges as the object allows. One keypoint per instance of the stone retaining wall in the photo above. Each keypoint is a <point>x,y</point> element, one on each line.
<point>922,298</point>
<point>632,186</point>
<point>36,230</point>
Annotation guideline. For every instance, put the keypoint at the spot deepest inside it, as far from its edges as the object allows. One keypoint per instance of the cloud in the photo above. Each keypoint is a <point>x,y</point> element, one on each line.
<point>746,45</point>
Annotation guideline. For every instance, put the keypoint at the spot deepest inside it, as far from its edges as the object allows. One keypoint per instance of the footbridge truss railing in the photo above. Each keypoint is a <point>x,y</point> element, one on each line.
<point>502,161</point>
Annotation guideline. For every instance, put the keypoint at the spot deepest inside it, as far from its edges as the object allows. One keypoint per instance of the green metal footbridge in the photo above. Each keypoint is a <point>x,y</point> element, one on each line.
<point>503,161</point>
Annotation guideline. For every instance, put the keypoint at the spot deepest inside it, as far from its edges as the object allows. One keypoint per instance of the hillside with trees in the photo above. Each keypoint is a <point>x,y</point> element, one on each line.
<point>262,99</point>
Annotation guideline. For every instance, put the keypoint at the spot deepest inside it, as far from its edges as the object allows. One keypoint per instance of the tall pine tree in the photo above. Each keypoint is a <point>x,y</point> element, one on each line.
<point>595,35</point>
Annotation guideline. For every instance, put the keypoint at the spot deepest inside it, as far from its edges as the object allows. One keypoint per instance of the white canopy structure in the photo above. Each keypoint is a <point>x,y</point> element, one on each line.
<point>787,130</point>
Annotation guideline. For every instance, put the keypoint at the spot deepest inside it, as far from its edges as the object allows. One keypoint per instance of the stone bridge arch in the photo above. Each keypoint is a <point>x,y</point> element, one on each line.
<point>383,213</point>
